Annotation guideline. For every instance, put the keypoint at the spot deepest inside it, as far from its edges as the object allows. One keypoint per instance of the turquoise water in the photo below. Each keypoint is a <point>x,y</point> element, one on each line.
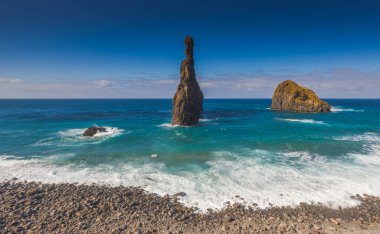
<point>240,147</point>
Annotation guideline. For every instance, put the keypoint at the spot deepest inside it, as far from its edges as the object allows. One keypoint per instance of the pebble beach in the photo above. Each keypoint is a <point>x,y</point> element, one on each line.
<point>31,207</point>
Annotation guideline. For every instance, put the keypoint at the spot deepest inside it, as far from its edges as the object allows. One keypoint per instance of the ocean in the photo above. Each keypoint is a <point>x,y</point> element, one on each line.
<point>240,152</point>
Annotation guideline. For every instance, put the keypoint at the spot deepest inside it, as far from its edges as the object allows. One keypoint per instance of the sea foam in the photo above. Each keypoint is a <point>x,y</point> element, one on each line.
<point>368,137</point>
<point>169,125</point>
<point>72,137</point>
<point>298,176</point>
<point>77,133</point>
<point>340,109</point>
<point>201,121</point>
<point>308,121</point>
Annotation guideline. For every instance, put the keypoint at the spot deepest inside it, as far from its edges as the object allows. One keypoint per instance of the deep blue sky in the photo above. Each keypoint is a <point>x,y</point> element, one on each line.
<point>49,46</point>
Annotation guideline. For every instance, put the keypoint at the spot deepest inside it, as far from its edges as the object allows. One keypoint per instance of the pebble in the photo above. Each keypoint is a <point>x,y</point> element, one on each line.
<point>228,219</point>
<point>335,221</point>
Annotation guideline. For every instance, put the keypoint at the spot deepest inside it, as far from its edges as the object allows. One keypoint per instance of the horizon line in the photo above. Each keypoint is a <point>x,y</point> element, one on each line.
<point>216,98</point>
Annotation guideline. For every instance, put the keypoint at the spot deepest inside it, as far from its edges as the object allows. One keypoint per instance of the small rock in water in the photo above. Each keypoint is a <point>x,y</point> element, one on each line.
<point>90,132</point>
<point>154,155</point>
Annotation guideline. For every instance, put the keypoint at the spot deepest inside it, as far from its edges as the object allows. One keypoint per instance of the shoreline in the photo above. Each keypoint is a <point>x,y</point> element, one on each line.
<point>33,207</point>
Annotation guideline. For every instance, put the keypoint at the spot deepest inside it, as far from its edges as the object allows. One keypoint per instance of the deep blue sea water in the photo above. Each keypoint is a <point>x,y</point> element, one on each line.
<point>240,147</point>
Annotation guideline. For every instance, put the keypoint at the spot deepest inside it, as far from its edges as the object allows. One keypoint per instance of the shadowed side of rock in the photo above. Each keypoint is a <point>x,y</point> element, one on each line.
<point>92,131</point>
<point>290,96</point>
<point>188,99</point>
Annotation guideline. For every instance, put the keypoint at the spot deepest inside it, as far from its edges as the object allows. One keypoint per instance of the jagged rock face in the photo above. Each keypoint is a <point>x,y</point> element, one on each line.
<point>290,96</point>
<point>90,132</point>
<point>188,99</point>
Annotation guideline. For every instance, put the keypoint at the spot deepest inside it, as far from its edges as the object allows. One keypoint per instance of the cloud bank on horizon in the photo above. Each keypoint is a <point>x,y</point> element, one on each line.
<point>334,83</point>
<point>133,49</point>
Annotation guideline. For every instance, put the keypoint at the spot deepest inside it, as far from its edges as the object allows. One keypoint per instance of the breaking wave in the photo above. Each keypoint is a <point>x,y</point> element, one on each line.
<point>169,125</point>
<point>309,121</point>
<point>294,177</point>
<point>368,137</point>
<point>73,137</point>
<point>340,109</point>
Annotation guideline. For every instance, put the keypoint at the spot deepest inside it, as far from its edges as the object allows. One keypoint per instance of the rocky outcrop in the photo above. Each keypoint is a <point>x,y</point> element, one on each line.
<point>90,132</point>
<point>188,99</point>
<point>290,96</point>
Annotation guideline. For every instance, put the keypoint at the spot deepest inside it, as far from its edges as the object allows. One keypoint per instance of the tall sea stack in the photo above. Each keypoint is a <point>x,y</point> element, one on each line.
<point>188,99</point>
<point>290,96</point>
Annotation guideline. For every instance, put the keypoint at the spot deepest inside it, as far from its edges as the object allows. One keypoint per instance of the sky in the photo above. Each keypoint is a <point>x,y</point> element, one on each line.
<point>133,48</point>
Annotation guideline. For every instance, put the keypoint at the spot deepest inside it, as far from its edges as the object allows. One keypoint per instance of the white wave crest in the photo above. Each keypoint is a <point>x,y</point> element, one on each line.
<point>340,109</point>
<point>77,133</point>
<point>72,137</point>
<point>368,137</point>
<point>299,176</point>
<point>169,125</point>
<point>309,121</point>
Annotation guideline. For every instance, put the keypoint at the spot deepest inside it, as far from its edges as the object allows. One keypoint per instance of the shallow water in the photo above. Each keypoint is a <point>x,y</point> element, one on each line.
<point>240,147</point>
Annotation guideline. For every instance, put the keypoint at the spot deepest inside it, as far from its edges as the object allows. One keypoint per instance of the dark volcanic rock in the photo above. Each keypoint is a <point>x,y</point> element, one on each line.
<point>188,100</point>
<point>292,97</point>
<point>90,132</point>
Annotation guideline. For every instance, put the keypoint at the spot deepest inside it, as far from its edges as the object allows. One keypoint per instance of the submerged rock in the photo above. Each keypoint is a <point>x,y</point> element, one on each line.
<point>90,132</point>
<point>188,99</point>
<point>292,97</point>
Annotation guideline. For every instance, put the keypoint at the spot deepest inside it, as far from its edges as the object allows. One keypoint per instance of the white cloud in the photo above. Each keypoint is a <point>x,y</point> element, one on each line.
<point>335,83</point>
<point>104,83</point>
<point>167,81</point>
<point>10,81</point>
<point>208,84</point>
